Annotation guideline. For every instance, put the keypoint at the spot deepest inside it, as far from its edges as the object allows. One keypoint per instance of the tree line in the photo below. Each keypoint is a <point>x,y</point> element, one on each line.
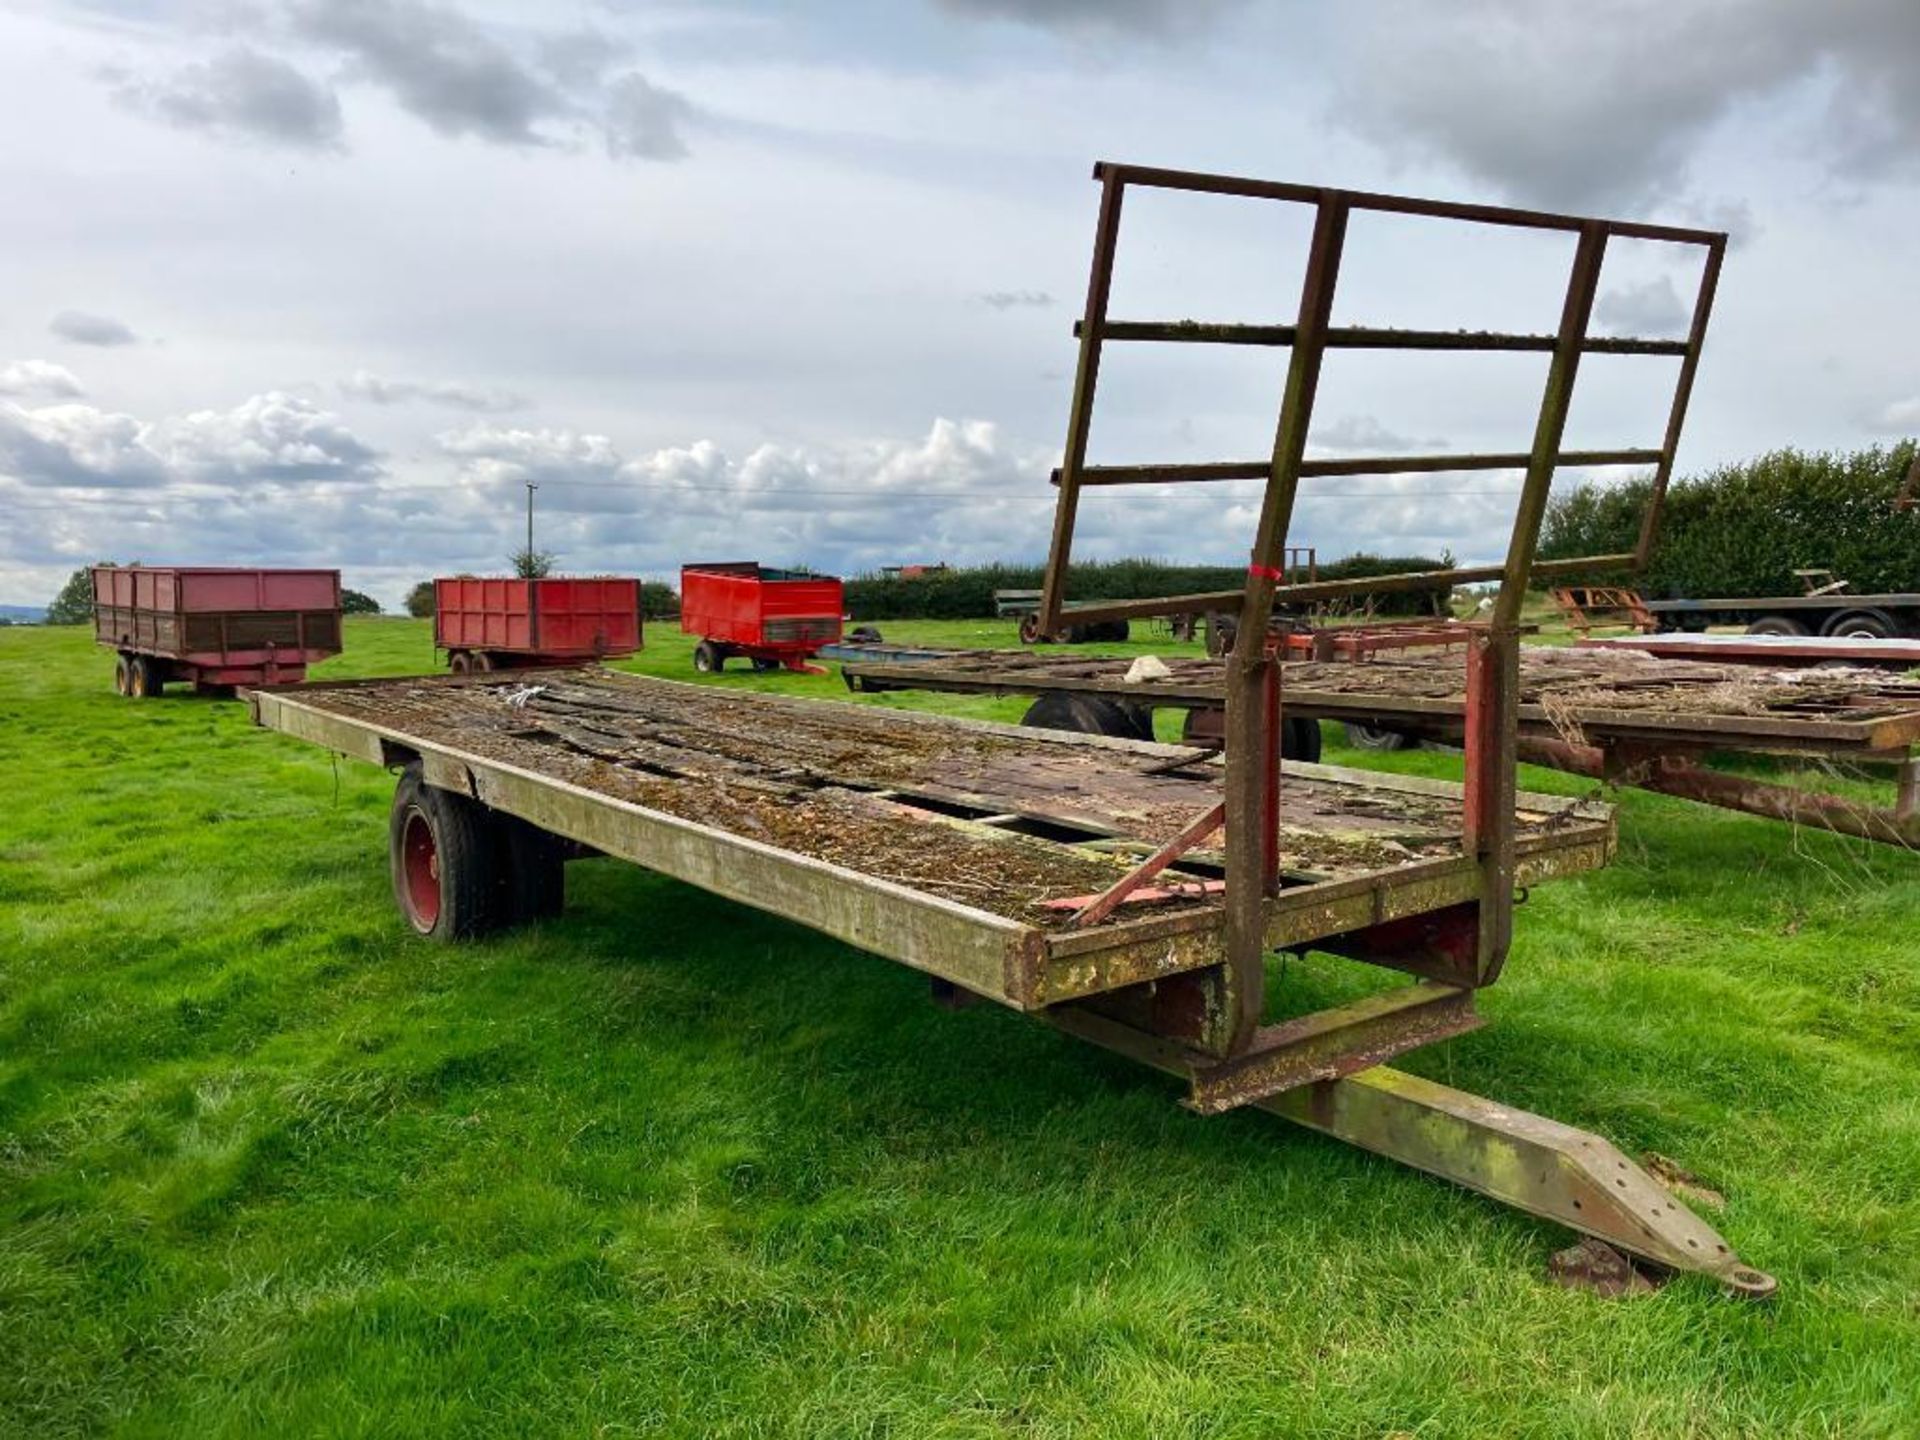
<point>1742,530</point>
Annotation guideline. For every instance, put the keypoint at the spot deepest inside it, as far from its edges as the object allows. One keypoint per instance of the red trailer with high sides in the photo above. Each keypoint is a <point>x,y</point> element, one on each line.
<point>214,626</point>
<point>515,624</point>
<point>773,617</point>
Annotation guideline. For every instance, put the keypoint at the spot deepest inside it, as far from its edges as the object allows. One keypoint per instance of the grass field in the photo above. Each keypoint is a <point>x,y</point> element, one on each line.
<point>667,1165</point>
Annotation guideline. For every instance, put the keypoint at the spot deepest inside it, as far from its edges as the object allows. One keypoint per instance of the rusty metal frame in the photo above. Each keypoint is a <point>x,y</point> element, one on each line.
<point>1252,675</point>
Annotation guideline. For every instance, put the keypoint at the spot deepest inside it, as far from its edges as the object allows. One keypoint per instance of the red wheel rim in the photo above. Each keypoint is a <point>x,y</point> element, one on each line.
<point>420,867</point>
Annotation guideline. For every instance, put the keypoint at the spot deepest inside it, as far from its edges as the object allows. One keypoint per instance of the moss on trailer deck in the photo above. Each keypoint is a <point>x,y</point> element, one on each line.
<point>879,793</point>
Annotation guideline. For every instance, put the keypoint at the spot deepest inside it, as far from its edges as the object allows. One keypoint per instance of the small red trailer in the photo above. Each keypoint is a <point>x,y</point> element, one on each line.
<point>215,626</point>
<point>773,617</point>
<point>558,620</point>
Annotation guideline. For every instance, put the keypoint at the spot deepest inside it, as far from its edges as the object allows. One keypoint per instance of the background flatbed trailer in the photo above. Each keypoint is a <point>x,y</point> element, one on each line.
<point>1867,617</point>
<point>1617,714</point>
<point>1782,651</point>
<point>974,852</point>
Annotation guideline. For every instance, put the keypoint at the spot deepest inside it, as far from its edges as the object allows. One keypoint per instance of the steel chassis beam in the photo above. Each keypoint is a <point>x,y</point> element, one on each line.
<point>1535,1164</point>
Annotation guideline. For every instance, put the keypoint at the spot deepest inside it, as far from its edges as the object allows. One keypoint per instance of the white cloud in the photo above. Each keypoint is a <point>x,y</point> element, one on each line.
<point>244,94</point>
<point>1900,417</point>
<point>40,379</point>
<point>1650,310</point>
<point>384,390</point>
<point>642,121</point>
<point>1365,434</point>
<point>268,439</point>
<point>82,328</point>
<point>1014,299</point>
<point>1604,104</point>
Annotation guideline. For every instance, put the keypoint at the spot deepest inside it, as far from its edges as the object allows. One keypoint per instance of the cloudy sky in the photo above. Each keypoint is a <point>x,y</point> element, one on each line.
<point>325,281</point>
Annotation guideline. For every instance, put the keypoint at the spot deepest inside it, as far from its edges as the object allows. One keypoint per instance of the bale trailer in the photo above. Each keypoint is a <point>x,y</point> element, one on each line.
<point>487,624</point>
<point>1129,893</point>
<point>213,626</point>
<point>1609,711</point>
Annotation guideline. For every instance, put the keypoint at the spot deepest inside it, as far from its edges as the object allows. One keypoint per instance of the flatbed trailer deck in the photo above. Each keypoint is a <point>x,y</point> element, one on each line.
<point>964,849</point>
<point>953,833</point>
<point>1614,713</point>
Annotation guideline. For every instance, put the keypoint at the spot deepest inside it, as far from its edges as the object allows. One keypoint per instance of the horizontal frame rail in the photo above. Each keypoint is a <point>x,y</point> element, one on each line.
<point>1227,601</point>
<point>1372,337</point>
<point>1178,474</point>
<point>1160,178</point>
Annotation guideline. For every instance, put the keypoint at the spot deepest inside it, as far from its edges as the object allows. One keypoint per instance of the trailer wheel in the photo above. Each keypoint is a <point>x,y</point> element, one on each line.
<point>1777,625</point>
<point>122,676</point>
<point>482,661</point>
<point>1861,625</point>
<point>707,658</point>
<point>537,868</point>
<point>1376,737</point>
<point>1300,738</point>
<point>144,678</point>
<point>1030,629</point>
<point>458,663</point>
<point>445,861</point>
<point>1090,715</point>
<point>1299,734</point>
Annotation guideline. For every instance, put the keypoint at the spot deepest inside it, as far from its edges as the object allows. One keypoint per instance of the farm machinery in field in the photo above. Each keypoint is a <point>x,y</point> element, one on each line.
<point>1129,893</point>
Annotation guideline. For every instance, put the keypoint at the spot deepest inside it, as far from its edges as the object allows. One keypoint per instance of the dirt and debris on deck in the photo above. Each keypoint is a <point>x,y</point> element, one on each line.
<point>914,799</point>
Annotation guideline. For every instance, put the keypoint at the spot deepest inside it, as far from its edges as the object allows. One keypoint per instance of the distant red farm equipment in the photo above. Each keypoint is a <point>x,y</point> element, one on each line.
<point>772,617</point>
<point>513,624</point>
<point>215,626</point>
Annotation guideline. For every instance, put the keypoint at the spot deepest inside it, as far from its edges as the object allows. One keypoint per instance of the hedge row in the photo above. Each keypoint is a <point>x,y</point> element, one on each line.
<point>1744,529</point>
<point>967,594</point>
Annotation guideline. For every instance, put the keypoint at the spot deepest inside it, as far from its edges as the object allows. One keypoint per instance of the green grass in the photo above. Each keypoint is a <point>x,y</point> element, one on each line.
<point>670,1166</point>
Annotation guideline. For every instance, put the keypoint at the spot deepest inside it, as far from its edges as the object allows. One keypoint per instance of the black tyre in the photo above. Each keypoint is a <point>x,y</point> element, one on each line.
<point>122,676</point>
<point>1299,735</point>
<point>1030,630</point>
<point>1861,625</point>
<point>536,868</point>
<point>482,662</point>
<point>1204,725</point>
<point>459,662</point>
<point>444,852</point>
<point>1300,738</point>
<point>864,635</point>
<point>1777,625</point>
<point>707,659</point>
<point>144,678</point>
<point>1376,737</point>
<point>1090,715</point>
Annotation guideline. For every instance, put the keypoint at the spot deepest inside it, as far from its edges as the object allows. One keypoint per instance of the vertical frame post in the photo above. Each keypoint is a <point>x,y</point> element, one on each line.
<point>1497,683</point>
<point>1252,689</point>
<point>1682,392</point>
<point>1086,376</point>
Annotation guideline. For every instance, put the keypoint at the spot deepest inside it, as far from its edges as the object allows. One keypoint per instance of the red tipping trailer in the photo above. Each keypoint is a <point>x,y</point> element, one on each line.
<point>773,617</point>
<point>214,625</point>
<point>558,620</point>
